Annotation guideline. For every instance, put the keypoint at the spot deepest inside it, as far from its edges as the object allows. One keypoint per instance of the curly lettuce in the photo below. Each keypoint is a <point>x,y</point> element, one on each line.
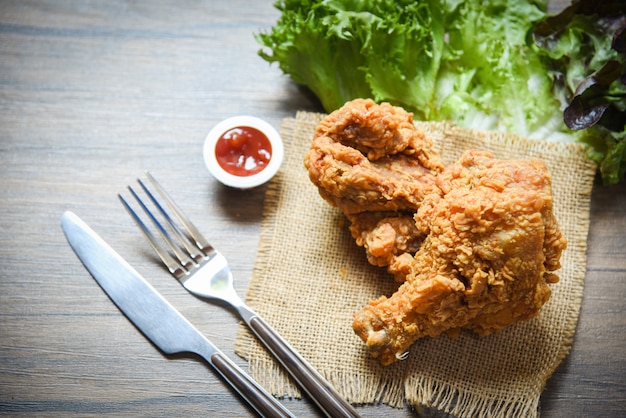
<point>474,62</point>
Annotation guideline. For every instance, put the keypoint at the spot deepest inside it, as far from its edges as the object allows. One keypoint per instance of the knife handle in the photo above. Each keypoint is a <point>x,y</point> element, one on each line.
<point>258,398</point>
<point>320,391</point>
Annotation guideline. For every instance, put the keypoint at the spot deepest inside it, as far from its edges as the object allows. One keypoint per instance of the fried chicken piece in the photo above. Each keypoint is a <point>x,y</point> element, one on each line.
<point>371,162</point>
<point>368,157</point>
<point>491,248</point>
<point>379,130</point>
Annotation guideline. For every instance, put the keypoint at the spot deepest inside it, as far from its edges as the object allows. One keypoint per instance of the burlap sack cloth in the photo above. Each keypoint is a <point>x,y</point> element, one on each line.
<point>310,277</point>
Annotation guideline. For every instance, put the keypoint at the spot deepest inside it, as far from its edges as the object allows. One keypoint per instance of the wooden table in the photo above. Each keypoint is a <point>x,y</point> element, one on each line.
<point>92,93</point>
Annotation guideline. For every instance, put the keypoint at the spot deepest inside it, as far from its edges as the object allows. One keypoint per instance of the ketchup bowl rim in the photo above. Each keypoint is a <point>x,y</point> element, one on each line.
<point>243,182</point>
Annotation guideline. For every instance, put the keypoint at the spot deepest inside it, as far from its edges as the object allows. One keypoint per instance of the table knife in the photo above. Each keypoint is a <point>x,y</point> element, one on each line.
<point>155,317</point>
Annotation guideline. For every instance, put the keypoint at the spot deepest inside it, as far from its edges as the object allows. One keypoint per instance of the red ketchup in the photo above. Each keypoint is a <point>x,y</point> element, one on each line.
<point>243,151</point>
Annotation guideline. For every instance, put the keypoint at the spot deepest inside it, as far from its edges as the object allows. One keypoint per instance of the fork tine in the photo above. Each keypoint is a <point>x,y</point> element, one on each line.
<point>172,265</point>
<point>192,231</point>
<point>194,252</point>
<point>183,257</point>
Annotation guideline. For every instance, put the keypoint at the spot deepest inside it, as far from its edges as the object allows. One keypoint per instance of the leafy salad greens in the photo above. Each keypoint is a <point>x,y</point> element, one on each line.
<point>484,64</point>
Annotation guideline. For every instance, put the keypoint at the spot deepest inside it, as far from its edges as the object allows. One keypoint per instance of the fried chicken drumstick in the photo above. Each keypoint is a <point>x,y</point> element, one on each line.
<point>476,248</point>
<point>491,248</point>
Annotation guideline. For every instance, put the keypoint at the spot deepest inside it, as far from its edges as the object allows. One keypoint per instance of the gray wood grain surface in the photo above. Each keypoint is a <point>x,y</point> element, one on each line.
<point>92,93</point>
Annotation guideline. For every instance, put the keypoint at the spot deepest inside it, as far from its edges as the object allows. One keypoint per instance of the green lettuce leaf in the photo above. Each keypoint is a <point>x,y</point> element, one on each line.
<point>474,62</point>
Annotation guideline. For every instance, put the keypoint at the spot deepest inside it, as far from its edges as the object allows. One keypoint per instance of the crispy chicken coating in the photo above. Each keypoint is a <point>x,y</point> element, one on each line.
<point>390,238</point>
<point>475,243</point>
<point>491,248</point>
<point>372,162</point>
<point>366,157</point>
<point>379,130</point>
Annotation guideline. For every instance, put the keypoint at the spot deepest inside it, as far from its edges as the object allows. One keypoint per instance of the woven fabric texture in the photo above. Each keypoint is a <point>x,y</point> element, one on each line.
<point>310,278</point>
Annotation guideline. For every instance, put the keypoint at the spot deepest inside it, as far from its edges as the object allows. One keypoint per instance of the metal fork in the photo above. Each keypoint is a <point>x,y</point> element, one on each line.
<point>204,272</point>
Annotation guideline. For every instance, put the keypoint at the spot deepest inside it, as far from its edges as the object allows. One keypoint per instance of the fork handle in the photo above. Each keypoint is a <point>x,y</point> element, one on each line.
<point>320,391</point>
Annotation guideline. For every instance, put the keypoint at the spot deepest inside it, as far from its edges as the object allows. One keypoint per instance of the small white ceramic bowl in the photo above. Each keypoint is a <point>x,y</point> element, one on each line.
<point>244,181</point>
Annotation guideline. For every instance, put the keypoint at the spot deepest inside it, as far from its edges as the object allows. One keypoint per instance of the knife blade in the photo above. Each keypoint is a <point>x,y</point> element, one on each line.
<point>155,317</point>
